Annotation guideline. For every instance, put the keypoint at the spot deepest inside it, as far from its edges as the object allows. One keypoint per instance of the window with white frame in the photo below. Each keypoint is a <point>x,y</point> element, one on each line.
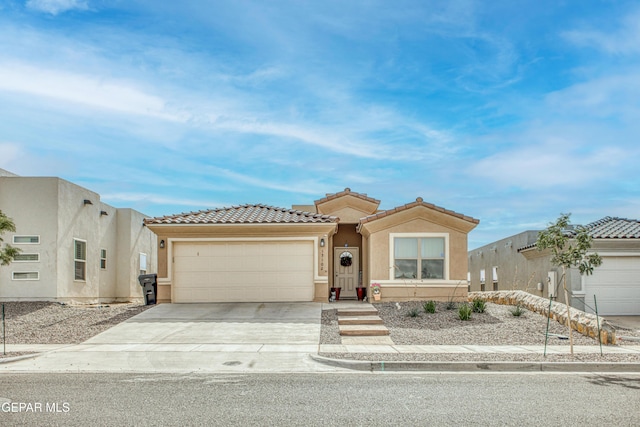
<point>419,257</point>
<point>25,275</point>
<point>103,259</point>
<point>143,263</point>
<point>27,257</point>
<point>494,277</point>
<point>26,240</point>
<point>80,259</point>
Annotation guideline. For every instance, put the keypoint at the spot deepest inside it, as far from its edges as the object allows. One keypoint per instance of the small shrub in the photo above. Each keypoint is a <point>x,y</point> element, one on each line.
<point>479,305</point>
<point>464,312</point>
<point>414,312</point>
<point>429,307</point>
<point>517,311</point>
<point>451,305</point>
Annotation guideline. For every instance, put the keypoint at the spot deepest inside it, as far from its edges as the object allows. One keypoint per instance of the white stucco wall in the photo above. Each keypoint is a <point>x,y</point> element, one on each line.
<point>134,239</point>
<point>32,204</point>
<point>54,209</point>
<point>77,220</point>
<point>108,241</point>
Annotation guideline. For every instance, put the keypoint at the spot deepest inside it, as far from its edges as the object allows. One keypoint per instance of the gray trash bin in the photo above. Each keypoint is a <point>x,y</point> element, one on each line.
<point>149,283</point>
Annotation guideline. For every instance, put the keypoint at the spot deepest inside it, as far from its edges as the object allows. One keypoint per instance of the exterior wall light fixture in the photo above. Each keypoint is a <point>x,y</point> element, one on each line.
<point>322,243</point>
<point>161,244</point>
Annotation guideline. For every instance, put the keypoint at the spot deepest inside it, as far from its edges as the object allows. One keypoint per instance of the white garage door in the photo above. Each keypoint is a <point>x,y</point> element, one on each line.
<point>243,272</point>
<point>616,285</point>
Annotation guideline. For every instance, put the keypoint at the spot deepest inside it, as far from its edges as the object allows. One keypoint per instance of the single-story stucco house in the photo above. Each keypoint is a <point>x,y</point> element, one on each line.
<point>516,263</point>
<point>259,253</point>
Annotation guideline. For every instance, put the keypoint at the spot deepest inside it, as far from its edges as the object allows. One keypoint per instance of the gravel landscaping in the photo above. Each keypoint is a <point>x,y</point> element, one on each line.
<point>496,326</point>
<point>53,323</point>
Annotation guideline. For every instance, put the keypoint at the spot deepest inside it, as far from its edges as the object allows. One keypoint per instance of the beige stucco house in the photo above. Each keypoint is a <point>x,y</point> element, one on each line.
<point>75,248</point>
<point>262,253</point>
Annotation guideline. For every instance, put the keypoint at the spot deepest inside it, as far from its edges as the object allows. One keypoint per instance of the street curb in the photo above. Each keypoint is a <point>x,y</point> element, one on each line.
<point>437,366</point>
<point>19,358</point>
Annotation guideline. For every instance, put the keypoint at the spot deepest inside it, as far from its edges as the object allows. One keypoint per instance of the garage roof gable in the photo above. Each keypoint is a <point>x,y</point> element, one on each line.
<point>465,223</point>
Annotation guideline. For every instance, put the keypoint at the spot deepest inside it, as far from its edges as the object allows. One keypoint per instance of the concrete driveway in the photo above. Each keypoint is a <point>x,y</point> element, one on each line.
<point>231,324</point>
<point>626,322</point>
<point>242,337</point>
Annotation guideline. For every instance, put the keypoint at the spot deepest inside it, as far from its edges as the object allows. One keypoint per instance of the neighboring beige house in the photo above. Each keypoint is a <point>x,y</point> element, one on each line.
<point>516,263</point>
<point>74,247</point>
<point>261,253</point>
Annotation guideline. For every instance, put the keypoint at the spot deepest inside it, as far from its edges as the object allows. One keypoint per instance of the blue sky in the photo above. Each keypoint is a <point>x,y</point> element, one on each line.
<point>508,111</point>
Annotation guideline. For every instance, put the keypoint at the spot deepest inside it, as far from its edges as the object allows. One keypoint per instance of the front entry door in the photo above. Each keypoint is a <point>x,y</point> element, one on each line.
<point>346,263</point>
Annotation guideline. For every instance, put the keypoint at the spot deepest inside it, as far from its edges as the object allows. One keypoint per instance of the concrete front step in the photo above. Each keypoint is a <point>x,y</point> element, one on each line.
<point>368,311</point>
<point>363,330</point>
<point>360,320</point>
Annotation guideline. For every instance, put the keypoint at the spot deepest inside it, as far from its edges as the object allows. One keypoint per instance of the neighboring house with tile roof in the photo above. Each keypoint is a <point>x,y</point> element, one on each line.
<point>343,240</point>
<point>516,263</point>
<point>75,248</point>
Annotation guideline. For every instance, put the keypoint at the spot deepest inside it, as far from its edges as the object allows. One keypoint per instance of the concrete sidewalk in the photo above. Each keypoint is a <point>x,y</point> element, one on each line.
<point>291,358</point>
<point>478,349</point>
<point>323,348</point>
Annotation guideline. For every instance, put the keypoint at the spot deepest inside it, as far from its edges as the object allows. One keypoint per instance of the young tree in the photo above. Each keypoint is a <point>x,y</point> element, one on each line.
<point>7,252</point>
<point>568,249</point>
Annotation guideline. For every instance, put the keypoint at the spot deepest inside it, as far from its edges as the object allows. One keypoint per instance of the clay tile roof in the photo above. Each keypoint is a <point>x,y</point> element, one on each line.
<point>529,246</point>
<point>347,191</point>
<point>614,228</point>
<point>605,228</point>
<point>419,202</point>
<point>245,214</point>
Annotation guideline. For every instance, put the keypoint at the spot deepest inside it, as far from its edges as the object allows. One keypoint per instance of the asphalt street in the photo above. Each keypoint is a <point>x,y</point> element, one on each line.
<point>326,399</point>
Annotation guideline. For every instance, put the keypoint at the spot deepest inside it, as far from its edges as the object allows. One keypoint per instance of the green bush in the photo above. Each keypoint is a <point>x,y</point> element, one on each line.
<point>517,311</point>
<point>429,307</point>
<point>414,312</point>
<point>479,305</point>
<point>464,311</point>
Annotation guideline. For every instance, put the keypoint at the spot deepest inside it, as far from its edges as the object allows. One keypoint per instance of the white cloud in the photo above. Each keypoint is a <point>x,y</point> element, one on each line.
<point>17,158</point>
<point>614,95</point>
<point>338,123</point>
<point>301,133</point>
<point>626,40</point>
<point>554,163</point>
<point>82,89</point>
<point>55,7</point>
<point>302,187</point>
<point>141,198</point>
<point>9,153</point>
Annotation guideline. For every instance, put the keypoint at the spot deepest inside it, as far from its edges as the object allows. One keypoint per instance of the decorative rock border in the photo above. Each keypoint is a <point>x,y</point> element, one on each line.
<point>584,323</point>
